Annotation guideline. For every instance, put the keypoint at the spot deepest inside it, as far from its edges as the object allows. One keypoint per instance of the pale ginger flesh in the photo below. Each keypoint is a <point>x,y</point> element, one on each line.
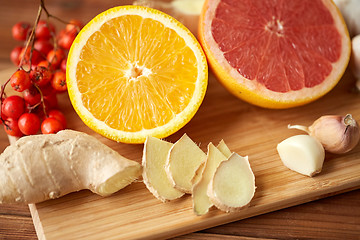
<point>183,162</point>
<point>201,201</point>
<point>41,167</point>
<point>233,184</point>
<point>154,175</point>
<point>223,148</point>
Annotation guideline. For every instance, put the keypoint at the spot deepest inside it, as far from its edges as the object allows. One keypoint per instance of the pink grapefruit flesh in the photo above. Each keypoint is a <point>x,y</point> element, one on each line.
<point>275,53</point>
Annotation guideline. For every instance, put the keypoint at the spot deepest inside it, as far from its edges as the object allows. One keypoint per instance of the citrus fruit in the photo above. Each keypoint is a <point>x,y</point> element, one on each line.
<point>275,53</point>
<point>133,72</point>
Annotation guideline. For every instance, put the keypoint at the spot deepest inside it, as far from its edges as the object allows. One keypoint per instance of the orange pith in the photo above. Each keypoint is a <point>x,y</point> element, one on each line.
<point>139,73</point>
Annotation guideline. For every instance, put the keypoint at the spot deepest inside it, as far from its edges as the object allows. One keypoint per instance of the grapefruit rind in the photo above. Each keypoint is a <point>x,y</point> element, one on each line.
<point>254,92</point>
<point>140,136</point>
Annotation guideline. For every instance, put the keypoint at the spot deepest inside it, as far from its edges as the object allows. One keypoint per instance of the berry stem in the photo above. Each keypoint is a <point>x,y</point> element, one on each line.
<point>2,97</point>
<point>49,15</point>
<point>31,40</point>
<point>42,100</point>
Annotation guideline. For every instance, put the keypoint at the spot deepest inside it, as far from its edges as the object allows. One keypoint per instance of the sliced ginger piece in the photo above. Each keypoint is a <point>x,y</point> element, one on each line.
<point>223,148</point>
<point>154,174</point>
<point>201,201</point>
<point>184,160</point>
<point>233,184</point>
<point>198,174</point>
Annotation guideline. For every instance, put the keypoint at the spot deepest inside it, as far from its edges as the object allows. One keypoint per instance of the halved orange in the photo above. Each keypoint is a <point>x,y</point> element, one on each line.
<point>133,72</point>
<point>275,53</point>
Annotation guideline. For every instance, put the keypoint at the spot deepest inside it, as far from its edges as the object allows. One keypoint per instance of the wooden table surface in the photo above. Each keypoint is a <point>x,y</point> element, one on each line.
<point>333,217</point>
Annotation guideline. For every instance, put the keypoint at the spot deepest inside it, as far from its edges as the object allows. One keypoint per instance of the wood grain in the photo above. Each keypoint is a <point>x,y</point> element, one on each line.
<point>334,217</point>
<point>135,213</point>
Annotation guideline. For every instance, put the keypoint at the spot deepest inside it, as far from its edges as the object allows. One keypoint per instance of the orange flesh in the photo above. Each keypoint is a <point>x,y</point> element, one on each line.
<point>149,71</point>
<point>283,45</point>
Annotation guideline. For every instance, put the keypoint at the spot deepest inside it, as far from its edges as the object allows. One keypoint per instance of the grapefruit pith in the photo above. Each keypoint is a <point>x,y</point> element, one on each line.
<point>275,53</point>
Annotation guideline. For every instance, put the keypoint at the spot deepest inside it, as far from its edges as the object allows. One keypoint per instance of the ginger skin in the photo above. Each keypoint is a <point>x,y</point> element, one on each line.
<point>41,167</point>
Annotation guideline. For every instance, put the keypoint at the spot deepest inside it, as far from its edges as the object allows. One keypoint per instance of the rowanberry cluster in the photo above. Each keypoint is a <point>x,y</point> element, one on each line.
<point>44,53</point>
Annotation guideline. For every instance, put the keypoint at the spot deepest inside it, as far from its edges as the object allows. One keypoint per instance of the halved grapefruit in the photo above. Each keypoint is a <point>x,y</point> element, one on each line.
<point>275,53</point>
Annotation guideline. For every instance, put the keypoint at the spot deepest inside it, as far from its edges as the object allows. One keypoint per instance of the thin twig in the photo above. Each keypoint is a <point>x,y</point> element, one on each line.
<point>1,100</point>
<point>31,39</point>
<point>49,15</point>
<point>42,100</point>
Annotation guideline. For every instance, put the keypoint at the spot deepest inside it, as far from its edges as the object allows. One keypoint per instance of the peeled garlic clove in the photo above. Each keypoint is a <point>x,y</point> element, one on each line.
<point>337,134</point>
<point>302,153</point>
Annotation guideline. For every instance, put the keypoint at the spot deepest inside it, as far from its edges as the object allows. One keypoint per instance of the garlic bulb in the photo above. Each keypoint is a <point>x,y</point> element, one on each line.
<point>337,134</point>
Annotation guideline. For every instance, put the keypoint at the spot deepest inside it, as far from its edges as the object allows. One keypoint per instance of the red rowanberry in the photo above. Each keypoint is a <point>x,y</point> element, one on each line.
<point>32,96</point>
<point>55,57</point>
<point>46,64</point>
<point>35,57</point>
<point>63,65</point>
<point>11,127</point>
<point>50,101</point>
<point>74,24</point>
<point>58,82</point>
<point>29,123</point>
<point>20,80</point>
<point>51,125</point>
<point>47,90</point>
<point>14,55</point>
<point>65,40</point>
<point>58,115</point>
<point>20,31</point>
<point>44,30</point>
<point>13,106</point>
<point>43,46</point>
<point>40,75</point>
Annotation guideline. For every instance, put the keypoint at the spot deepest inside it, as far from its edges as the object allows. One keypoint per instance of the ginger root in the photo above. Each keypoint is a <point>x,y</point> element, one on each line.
<point>41,167</point>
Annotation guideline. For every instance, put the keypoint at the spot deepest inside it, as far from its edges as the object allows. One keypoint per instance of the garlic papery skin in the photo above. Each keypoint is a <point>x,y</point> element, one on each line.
<point>337,134</point>
<point>302,153</point>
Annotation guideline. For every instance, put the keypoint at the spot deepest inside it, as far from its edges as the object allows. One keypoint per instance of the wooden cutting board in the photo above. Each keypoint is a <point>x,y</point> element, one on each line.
<point>133,212</point>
